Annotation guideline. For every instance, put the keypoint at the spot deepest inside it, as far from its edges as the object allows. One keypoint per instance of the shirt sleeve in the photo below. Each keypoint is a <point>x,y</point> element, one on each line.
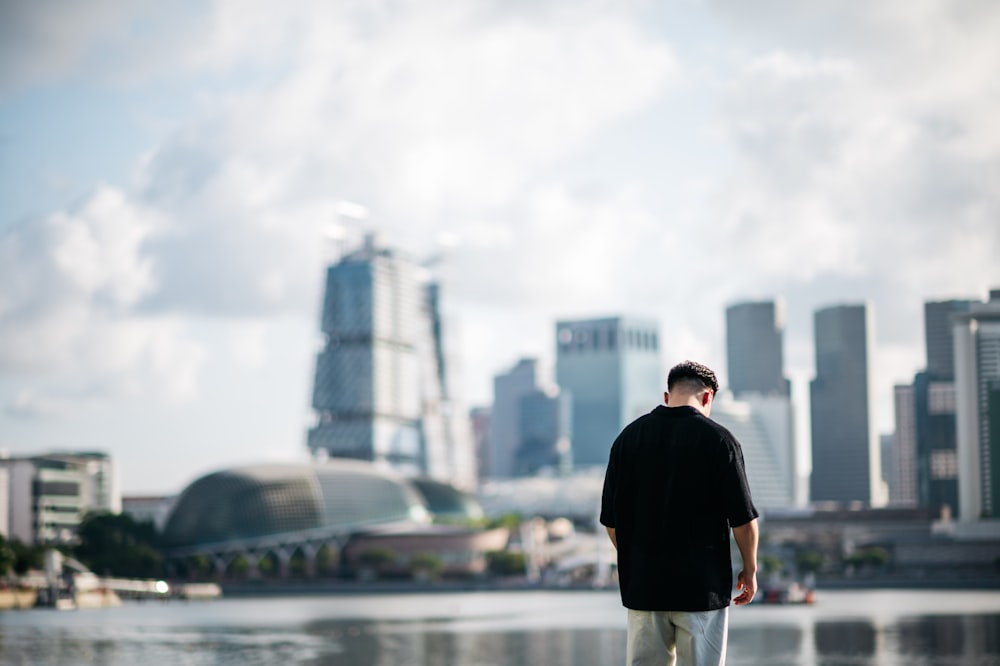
<point>740,508</point>
<point>610,486</point>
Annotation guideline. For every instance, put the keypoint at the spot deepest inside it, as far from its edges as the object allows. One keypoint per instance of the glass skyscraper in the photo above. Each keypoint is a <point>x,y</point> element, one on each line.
<point>754,333</point>
<point>381,392</point>
<point>612,371</point>
<point>977,407</point>
<point>846,459</point>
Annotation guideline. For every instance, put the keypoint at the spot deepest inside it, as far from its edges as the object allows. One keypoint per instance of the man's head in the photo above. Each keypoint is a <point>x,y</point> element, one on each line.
<point>691,383</point>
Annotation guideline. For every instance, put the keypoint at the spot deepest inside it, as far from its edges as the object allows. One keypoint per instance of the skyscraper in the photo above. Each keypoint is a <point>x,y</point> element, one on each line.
<point>754,333</point>
<point>611,368</point>
<point>381,390</point>
<point>505,433</point>
<point>977,407</point>
<point>545,422</point>
<point>934,409</point>
<point>903,490</point>
<point>763,427</point>
<point>754,352</point>
<point>845,452</point>
<point>938,338</point>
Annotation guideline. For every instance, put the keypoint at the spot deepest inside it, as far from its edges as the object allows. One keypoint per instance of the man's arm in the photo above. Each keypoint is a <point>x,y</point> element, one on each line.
<point>612,536</point>
<point>746,540</point>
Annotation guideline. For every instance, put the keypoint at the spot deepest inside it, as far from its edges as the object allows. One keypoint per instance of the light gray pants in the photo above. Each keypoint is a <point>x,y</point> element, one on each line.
<point>666,638</point>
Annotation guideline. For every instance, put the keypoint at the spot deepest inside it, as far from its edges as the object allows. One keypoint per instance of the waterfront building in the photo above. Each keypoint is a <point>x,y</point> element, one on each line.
<point>846,465</point>
<point>304,517</point>
<point>612,370</point>
<point>754,349</point>
<point>381,390</point>
<point>977,409</point>
<point>48,495</point>
<point>505,426</point>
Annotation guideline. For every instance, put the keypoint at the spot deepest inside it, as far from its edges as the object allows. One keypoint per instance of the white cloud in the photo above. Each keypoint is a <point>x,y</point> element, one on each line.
<point>73,282</point>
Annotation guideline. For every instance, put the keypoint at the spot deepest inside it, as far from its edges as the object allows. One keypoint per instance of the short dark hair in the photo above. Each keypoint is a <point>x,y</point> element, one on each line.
<point>696,375</point>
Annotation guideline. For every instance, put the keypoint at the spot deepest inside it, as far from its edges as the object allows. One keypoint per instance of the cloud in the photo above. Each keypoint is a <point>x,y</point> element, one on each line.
<point>72,284</point>
<point>868,148</point>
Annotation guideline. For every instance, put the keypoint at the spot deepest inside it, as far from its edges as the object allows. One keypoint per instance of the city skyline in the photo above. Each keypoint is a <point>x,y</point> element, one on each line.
<point>174,181</point>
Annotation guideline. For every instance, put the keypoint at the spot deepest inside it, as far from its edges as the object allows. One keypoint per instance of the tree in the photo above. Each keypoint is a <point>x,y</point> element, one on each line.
<point>116,544</point>
<point>810,561</point>
<point>426,565</point>
<point>27,556</point>
<point>505,562</point>
<point>771,564</point>
<point>7,557</point>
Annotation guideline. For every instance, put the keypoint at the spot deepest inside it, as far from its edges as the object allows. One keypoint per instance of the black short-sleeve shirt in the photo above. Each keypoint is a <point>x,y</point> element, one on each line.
<point>674,487</point>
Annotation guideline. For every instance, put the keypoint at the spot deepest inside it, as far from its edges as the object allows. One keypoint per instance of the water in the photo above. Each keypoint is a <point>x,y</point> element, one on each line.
<point>572,628</point>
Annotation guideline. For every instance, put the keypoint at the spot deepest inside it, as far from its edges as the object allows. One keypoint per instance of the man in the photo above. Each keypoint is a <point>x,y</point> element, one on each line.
<point>674,487</point>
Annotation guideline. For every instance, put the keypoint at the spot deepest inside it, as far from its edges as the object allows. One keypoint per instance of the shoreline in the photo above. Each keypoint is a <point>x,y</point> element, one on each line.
<point>342,587</point>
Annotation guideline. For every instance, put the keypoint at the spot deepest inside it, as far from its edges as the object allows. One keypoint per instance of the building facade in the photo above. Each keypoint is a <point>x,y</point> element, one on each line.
<point>48,495</point>
<point>763,426</point>
<point>545,433</point>
<point>381,390</point>
<point>754,348</point>
<point>977,408</point>
<point>903,460</point>
<point>505,433</point>
<point>846,460</point>
<point>611,368</point>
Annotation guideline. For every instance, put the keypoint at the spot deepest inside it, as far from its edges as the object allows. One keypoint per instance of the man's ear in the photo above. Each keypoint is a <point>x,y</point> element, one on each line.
<point>706,397</point>
<point>666,398</point>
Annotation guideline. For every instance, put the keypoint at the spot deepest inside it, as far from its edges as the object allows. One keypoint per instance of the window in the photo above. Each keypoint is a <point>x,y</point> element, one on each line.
<point>944,465</point>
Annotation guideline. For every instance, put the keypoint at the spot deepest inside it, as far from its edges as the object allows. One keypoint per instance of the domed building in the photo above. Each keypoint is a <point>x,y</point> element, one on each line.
<point>273,516</point>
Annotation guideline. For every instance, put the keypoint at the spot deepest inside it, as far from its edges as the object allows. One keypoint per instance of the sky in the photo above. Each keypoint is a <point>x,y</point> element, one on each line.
<point>174,178</point>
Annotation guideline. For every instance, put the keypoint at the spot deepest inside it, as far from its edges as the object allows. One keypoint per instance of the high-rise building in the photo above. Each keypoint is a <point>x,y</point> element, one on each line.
<point>763,426</point>
<point>754,351</point>
<point>48,495</point>
<point>933,398</point>
<point>903,460</point>
<point>977,407</point>
<point>545,435</point>
<point>754,333</point>
<point>611,368</point>
<point>381,391</point>
<point>846,465</point>
<point>505,433</point>
<point>938,338</point>
<point>481,419</point>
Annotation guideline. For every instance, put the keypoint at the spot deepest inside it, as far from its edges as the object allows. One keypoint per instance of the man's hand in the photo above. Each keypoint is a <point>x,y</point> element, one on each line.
<point>746,582</point>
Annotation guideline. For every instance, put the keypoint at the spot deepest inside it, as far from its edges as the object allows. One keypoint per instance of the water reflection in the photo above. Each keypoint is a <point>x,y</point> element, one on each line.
<point>395,644</point>
<point>552,629</point>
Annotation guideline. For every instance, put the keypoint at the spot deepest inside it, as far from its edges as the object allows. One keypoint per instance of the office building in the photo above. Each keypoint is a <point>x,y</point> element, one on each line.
<point>505,433</point>
<point>977,409</point>
<point>763,426</point>
<point>754,334</point>
<point>903,459</point>
<point>936,464</point>
<point>938,338</point>
<point>754,351</point>
<point>381,390</point>
<point>545,423</point>
<point>846,464</point>
<point>612,371</point>
<point>48,495</point>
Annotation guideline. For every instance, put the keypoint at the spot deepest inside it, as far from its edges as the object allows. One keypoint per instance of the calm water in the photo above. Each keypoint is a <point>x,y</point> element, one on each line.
<point>497,629</point>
